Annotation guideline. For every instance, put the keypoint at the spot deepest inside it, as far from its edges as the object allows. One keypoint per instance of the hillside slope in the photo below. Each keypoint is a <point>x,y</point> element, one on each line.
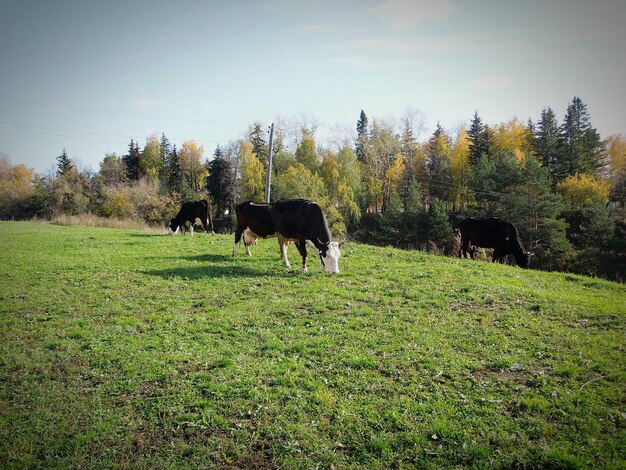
<point>145,350</point>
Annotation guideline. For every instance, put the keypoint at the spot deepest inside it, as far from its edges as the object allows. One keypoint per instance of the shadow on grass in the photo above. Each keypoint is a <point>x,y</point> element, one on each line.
<point>205,258</point>
<point>201,272</point>
<point>216,270</point>
<point>143,235</point>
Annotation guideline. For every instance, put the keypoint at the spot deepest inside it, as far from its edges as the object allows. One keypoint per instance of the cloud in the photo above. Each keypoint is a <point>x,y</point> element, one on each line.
<point>407,14</point>
<point>492,83</point>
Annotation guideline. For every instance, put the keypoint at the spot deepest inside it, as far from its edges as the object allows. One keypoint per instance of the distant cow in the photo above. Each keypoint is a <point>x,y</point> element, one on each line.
<point>491,232</point>
<point>296,220</point>
<point>189,212</point>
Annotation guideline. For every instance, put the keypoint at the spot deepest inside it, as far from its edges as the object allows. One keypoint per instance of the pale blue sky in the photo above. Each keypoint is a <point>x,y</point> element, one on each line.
<point>87,76</point>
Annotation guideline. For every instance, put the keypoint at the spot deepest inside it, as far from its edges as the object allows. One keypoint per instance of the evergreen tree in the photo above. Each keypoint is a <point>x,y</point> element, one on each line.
<point>221,183</point>
<point>174,171</point>
<point>438,164</point>
<point>219,153</point>
<point>439,232</point>
<point>595,242</point>
<point>534,209</point>
<point>488,142</point>
<point>547,142</point>
<point>165,150</point>
<point>362,137</point>
<point>582,145</point>
<point>131,159</point>
<point>475,134</point>
<point>408,143</point>
<point>64,164</point>
<point>259,146</point>
<point>413,198</point>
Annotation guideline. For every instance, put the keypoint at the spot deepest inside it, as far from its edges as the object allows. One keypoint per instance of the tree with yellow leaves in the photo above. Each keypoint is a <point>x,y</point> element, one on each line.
<point>514,136</point>
<point>151,163</point>
<point>190,160</point>
<point>252,174</point>
<point>583,190</point>
<point>16,188</point>
<point>460,171</point>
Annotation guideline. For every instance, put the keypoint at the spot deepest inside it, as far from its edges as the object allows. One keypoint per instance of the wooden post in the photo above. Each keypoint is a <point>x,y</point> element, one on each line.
<point>268,176</point>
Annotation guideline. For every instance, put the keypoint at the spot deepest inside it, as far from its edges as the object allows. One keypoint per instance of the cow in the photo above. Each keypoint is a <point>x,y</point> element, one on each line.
<point>297,220</point>
<point>189,212</point>
<point>491,232</point>
<point>254,220</point>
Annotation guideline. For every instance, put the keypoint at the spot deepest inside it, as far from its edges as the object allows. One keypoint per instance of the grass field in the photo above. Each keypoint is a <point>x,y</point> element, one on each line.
<point>134,349</point>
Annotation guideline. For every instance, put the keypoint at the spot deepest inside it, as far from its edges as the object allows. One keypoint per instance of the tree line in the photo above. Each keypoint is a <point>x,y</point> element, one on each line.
<point>561,184</point>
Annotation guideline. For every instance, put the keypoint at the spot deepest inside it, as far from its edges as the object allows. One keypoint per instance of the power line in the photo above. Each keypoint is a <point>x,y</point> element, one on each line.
<point>81,132</point>
<point>61,135</point>
<point>119,113</point>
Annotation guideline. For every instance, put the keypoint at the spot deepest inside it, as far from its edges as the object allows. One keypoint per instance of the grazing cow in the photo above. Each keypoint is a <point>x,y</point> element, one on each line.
<point>296,220</point>
<point>491,232</point>
<point>189,212</point>
<point>254,220</point>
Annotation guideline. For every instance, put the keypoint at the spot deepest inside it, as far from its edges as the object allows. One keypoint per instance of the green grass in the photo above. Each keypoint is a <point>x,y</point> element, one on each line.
<point>140,350</point>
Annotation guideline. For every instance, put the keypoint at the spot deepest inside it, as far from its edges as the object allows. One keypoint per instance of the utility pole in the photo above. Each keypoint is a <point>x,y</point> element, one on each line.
<point>268,176</point>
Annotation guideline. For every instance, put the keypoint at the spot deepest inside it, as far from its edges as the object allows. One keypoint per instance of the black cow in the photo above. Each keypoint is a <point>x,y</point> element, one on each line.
<point>189,212</point>
<point>296,220</point>
<point>254,220</point>
<point>491,232</point>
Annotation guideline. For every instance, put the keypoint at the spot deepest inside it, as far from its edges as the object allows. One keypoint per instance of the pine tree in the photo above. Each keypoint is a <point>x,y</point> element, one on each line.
<point>64,164</point>
<point>165,150</point>
<point>259,146</point>
<point>362,137</point>
<point>475,135</point>
<point>439,232</point>
<point>221,182</point>
<point>131,159</point>
<point>582,145</point>
<point>438,153</point>
<point>547,142</point>
<point>219,153</point>
<point>174,171</point>
<point>534,209</point>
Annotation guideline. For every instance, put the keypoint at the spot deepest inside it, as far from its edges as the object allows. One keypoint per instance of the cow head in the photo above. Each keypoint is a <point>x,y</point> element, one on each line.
<point>172,227</point>
<point>523,259</point>
<point>329,254</point>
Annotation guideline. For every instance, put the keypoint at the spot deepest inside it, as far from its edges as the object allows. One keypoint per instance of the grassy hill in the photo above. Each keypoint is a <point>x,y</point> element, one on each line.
<point>141,350</point>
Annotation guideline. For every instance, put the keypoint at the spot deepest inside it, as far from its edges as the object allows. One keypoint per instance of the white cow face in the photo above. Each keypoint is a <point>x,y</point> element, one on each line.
<point>331,259</point>
<point>170,226</point>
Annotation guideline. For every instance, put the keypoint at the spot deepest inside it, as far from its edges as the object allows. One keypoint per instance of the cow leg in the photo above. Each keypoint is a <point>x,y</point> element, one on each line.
<point>301,244</point>
<point>191,229</point>
<point>248,253</point>
<point>463,249</point>
<point>282,243</point>
<point>238,232</point>
<point>205,225</point>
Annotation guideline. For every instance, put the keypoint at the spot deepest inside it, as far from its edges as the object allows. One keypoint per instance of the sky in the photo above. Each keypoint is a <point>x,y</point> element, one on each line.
<point>87,76</point>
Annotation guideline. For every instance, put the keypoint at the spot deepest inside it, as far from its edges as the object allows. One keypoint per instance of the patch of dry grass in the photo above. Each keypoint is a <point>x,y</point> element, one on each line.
<point>91,220</point>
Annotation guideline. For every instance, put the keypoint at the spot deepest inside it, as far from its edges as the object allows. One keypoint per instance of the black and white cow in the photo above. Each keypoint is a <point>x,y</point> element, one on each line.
<point>254,220</point>
<point>491,232</point>
<point>189,212</point>
<point>296,220</point>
